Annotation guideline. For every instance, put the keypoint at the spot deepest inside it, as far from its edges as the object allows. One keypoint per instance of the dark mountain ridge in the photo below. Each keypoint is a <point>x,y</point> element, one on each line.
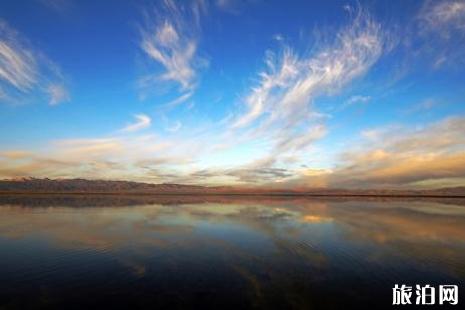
<point>82,186</point>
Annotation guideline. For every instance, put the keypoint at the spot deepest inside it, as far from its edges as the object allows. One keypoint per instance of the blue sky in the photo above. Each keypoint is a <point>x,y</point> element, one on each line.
<point>254,93</point>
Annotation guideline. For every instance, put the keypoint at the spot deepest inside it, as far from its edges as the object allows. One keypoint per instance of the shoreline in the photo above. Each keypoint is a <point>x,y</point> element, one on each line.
<point>301,195</point>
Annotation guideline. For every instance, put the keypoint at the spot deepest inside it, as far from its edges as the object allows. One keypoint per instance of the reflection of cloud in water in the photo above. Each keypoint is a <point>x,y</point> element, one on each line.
<point>427,233</point>
<point>100,228</point>
<point>250,233</point>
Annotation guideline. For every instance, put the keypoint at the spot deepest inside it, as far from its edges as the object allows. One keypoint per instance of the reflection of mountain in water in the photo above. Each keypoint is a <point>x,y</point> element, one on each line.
<point>113,200</point>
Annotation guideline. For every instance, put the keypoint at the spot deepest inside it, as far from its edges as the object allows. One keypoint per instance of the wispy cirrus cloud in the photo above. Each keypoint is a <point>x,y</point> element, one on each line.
<point>443,16</point>
<point>18,66</point>
<point>170,39</point>
<point>142,121</point>
<point>356,100</point>
<point>422,106</point>
<point>58,94</point>
<point>288,86</point>
<point>179,100</point>
<point>279,111</point>
<point>25,71</point>
<point>441,28</point>
<point>174,128</point>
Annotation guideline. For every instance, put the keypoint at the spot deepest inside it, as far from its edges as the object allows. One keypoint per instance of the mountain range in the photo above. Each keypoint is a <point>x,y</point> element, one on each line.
<point>83,186</point>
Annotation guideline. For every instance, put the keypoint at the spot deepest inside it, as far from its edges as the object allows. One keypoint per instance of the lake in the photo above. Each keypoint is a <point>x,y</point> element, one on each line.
<point>118,252</point>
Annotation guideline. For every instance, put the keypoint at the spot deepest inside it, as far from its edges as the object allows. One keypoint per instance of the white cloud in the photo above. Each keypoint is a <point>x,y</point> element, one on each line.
<point>261,96</point>
<point>444,16</point>
<point>441,33</point>
<point>356,99</point>
<point>288,86</point>
<point>179,100</point>
<point>170,39</point>
<point>25,71</point>
<point>177,125</point>
<point>58,94</point>
<point>279,111</point>
<point>278,37</point>
<point>142,121</point>
<point>18,66</point>
<point>165,47</point>
<point>423,106</point>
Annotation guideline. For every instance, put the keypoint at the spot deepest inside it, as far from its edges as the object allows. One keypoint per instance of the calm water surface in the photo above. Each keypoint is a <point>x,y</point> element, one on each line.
<point>130,253</point>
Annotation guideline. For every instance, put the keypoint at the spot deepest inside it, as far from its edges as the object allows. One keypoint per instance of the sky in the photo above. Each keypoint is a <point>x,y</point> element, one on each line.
<point>294,94</point>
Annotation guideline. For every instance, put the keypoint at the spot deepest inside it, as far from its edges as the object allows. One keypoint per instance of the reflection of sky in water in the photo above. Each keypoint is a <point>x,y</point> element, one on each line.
<point>265,252</point>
